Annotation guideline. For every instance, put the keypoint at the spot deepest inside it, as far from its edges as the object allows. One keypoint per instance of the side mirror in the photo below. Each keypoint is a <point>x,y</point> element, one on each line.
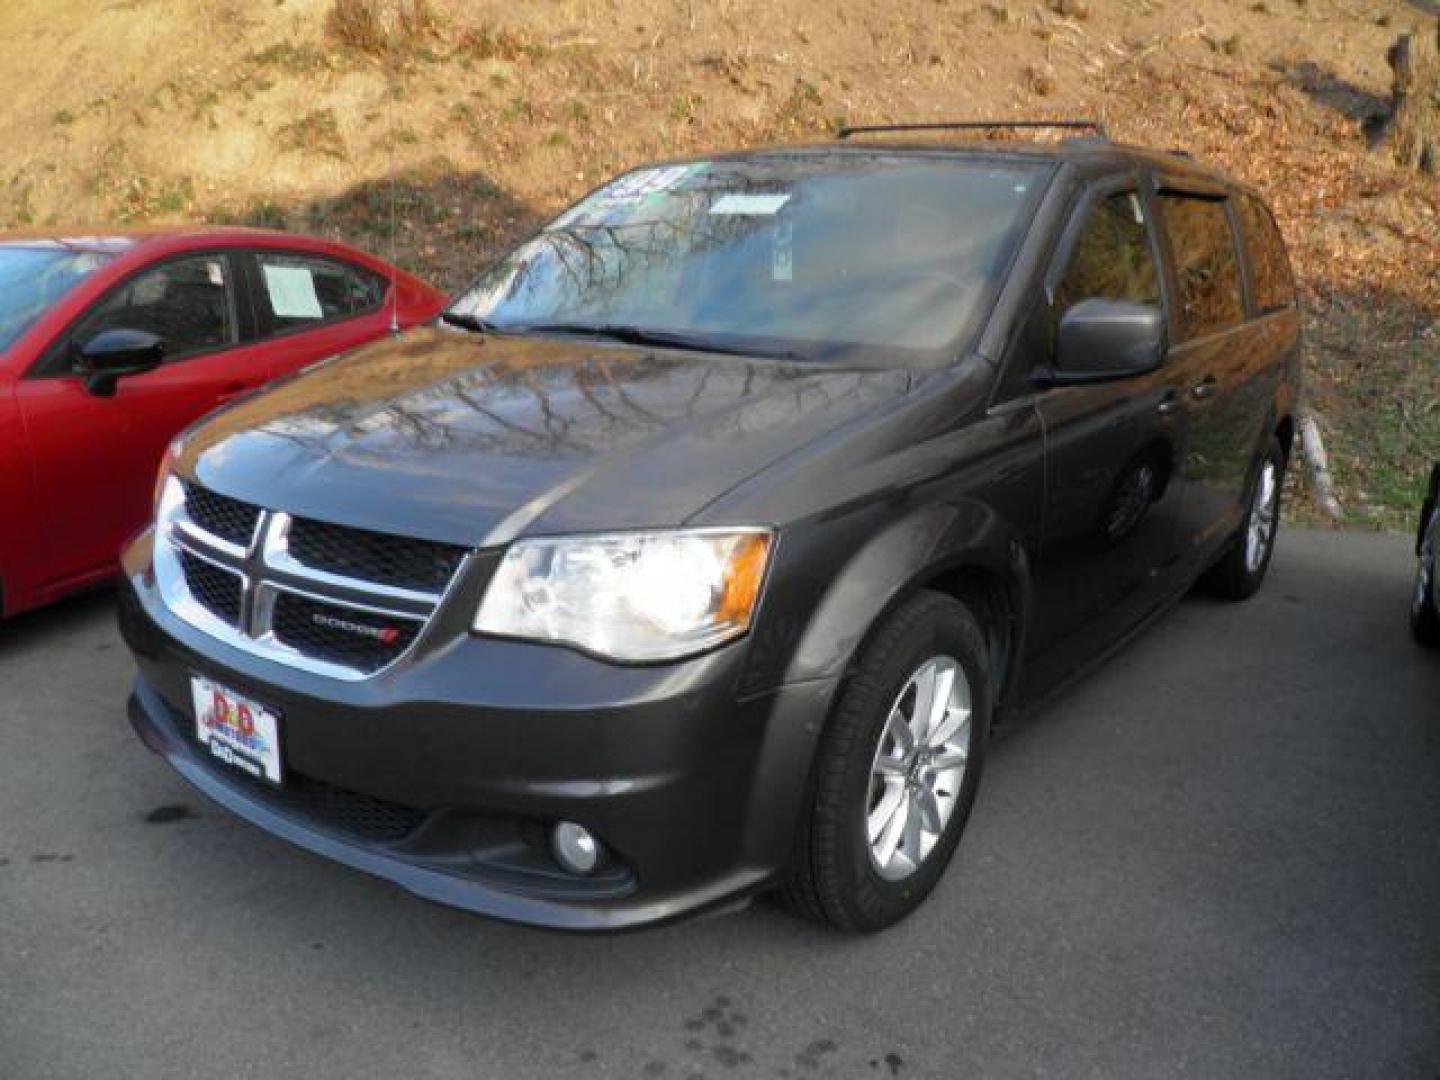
<point>113,354</point>
<point>1102,340</point>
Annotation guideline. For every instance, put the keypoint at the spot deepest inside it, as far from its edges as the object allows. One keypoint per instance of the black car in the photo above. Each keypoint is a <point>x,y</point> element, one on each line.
<point>1425,603</point>
<point>703,543</point>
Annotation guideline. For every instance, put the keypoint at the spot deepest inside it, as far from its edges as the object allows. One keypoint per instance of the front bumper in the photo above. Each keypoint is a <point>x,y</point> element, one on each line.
<point>444,773</point>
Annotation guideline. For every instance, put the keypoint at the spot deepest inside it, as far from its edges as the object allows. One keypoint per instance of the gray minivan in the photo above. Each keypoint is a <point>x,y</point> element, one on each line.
<point>702,543</point>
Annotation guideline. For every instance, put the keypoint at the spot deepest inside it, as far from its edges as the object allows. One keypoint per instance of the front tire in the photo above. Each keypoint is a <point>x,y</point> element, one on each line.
<point>897,768</point>
<point>1241,570</point>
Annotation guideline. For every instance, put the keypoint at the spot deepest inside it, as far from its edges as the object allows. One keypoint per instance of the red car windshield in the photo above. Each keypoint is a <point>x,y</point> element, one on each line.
<point>32,279</point>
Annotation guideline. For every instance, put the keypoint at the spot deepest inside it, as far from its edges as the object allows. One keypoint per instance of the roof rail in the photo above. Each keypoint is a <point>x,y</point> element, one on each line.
<point>1095,127</point>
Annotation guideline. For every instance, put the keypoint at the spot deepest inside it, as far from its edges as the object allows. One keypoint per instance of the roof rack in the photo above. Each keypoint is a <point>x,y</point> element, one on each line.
<point>1095,127</point>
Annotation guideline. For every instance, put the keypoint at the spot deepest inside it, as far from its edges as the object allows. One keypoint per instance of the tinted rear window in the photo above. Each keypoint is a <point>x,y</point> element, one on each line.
<point>1205,263</point>
<point>1269,265</point>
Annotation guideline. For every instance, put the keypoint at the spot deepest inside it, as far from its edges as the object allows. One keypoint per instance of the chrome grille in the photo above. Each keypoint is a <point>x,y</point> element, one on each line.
<point>230,519</point>
<point>215,589</point>
<point>340,634</point>
<point>323,597</point>
<point>371,556</point>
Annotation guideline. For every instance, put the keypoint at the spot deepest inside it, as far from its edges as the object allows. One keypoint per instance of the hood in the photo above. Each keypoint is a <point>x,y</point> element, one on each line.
<point>474,439</point>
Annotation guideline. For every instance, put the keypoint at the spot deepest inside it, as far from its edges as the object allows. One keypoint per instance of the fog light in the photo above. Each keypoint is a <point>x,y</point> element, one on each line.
<point>575,847</point>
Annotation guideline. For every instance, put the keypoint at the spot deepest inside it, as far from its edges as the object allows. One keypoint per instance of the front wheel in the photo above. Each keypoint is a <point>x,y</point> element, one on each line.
<point>897,768</point>
<point>1241,570</point>
<point>1424,614</point>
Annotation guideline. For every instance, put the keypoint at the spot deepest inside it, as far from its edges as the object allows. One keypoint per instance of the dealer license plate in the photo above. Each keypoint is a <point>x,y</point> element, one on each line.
<point>237,731</point>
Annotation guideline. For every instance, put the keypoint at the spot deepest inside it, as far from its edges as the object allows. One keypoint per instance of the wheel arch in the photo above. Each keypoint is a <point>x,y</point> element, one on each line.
<point>997,600</point>
<point>967,552</point>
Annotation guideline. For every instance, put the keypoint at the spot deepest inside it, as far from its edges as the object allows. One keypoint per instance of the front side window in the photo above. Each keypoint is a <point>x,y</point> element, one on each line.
<point>1112,259</point>
<point>297,291</point>
<point>33,279</point>
<point>1274,285</point>
<point>813,256</point>
<point>1205,263</point>
<point>189,303</point>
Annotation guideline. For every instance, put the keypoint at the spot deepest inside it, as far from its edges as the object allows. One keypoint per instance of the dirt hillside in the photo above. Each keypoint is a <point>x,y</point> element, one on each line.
<point>472,120</point>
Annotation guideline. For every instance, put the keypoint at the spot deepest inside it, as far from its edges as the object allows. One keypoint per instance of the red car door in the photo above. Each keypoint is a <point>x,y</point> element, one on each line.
<point>93,459</point>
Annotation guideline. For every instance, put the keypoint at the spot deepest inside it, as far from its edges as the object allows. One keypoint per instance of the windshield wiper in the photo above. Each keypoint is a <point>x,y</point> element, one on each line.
<point>468,322</point>
<point>665,339</point>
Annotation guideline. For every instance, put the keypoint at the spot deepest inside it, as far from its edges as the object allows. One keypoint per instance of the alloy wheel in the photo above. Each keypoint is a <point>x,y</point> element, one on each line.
<point>1264,509</point>
<point>918,768</point>
<point>1425,572</point>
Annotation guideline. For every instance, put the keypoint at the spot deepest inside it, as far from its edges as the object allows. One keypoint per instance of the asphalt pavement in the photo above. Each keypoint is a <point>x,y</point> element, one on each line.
<point>1218,856</point>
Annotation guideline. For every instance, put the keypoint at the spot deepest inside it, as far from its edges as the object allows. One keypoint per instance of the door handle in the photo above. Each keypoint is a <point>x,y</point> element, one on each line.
<point>1206,389</point>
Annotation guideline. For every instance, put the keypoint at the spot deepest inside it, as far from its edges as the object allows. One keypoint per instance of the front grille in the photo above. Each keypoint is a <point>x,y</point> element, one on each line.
<point>396,561</point>
<point>335,600</point>
<point>219,515</point>
<point>339,634</point>
<point>217,591</point>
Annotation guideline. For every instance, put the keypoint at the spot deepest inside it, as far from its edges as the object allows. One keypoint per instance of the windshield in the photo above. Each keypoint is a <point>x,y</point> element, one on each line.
<point>33,278</point>
<point>811,255</point>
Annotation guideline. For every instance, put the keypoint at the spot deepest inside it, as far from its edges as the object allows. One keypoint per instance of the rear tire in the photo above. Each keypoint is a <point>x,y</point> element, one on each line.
<point>1241,570</point>
<point>1424,618</point>
<point>884,751</point>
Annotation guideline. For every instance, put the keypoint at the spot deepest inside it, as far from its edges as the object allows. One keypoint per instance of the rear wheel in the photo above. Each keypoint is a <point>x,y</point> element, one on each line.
<point>1241,570</point>
<point>897,768</point>
<point>1424,616</point>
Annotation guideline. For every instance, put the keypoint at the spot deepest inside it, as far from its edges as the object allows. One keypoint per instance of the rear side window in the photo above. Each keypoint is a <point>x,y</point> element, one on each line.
<point>1274,285</point>
<point>1112,259</point>
<point>1205,263</point>
<point>187,302</point>
<point>297,291</point>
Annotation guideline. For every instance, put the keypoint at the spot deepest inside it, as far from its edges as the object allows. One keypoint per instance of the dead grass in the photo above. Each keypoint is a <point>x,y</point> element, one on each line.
<point>291,120</point>
<point>490,43</point>
<point>304,58</point>
<point>317,132</point>
<point>381,27</point>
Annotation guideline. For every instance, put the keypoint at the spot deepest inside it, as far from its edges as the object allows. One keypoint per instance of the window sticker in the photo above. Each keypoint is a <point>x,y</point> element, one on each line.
<point>648,182</point>
<point>292,292</point>
<point>622,196</point>
<point>752,205</point>
<point>216,273</point>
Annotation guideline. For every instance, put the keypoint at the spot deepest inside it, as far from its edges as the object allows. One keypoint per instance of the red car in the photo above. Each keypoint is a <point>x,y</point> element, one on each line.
<point>110,345</point>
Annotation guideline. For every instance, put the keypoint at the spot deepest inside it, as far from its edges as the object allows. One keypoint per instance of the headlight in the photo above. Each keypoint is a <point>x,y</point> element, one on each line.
<point>629,596</point>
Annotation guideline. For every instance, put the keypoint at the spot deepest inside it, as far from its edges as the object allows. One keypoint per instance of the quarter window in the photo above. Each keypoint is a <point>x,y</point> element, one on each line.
<point>1274,286</point>
<point>1205,263</point>
<point>300,290</point>
<point>189,303</point>
<point>1112,260</point>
